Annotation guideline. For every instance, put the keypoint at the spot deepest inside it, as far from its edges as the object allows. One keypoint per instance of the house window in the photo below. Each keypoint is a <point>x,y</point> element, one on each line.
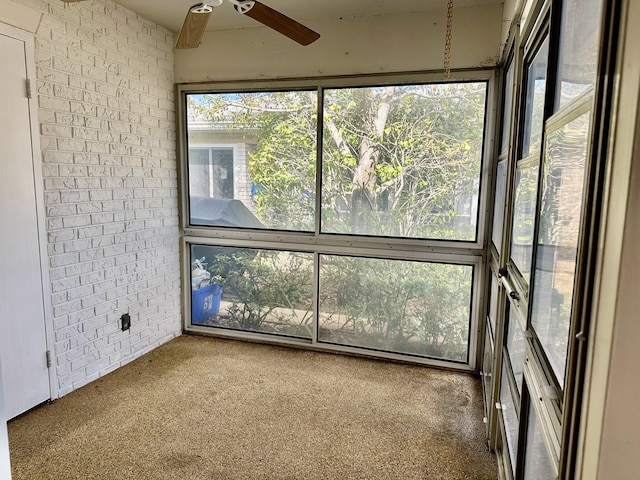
<point>362,227</point>
<point>211,172</point>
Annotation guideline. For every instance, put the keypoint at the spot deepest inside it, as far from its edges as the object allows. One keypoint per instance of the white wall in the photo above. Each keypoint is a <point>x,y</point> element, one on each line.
<point>621,427</point>
<point>379,44</point>
<point>510,13</point>
<point>107,125</point>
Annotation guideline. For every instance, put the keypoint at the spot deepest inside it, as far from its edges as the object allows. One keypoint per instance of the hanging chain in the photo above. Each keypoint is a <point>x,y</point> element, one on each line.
<point>447,40</point>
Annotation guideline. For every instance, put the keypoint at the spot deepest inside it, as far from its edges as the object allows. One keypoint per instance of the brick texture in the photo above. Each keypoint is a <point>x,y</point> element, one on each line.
<point>107,124</point>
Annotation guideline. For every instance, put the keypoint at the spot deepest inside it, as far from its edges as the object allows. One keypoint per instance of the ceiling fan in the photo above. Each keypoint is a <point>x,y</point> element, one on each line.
<point>198,16</point>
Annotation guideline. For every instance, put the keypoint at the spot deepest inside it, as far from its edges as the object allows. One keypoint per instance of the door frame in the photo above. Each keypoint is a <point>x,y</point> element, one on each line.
<point>36,161</point>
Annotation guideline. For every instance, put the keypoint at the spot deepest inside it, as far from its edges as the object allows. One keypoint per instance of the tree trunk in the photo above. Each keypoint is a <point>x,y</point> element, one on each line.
<point>363,195</point>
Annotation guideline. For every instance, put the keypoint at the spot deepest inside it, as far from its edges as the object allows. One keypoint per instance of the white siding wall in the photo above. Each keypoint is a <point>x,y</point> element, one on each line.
<point>106,111</point>
<point>242,178</point>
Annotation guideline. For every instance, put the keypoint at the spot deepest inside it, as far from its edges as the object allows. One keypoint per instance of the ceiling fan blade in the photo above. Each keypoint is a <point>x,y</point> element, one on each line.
<point>193,27</point>
<point>281,23</point>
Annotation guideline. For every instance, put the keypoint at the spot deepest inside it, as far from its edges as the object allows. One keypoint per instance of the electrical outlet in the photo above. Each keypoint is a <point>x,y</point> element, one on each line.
<point>126,321</point>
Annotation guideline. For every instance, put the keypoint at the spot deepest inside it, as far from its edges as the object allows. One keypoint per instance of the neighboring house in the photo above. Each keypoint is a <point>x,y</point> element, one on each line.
<point>219,161</point>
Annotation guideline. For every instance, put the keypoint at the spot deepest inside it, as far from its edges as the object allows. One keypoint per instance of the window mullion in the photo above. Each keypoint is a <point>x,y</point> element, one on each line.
<point>319,151</point>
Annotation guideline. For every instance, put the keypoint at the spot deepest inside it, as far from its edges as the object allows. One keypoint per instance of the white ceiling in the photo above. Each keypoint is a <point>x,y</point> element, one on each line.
<point>170,13</point>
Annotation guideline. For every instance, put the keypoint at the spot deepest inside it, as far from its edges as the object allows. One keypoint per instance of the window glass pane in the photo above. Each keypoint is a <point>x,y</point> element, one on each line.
<point>252,159</point>
<point>211,172</point>
<point>537,464</point>
<point>418,308</point>
<point>515,347</point>
<point>509,415</point>
<point>506,113</point>
<point>498,206</point>
<point>579,36</point>
<point>403,161</point>
<point>264,291</point>
<point>560,218</point>
<point>524,211</point>
<point>534,101</point>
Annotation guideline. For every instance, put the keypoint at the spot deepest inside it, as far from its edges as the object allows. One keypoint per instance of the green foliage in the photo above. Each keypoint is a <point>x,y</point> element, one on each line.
<point>427,157</point>
<point>408,307</point>
<point>266,287</point>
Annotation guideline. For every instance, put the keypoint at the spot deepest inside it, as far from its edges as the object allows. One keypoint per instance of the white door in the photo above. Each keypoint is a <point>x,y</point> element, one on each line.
<point>22,321</point>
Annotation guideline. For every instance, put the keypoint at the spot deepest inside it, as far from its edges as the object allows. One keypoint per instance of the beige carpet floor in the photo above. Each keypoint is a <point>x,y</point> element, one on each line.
<point>205,408</point>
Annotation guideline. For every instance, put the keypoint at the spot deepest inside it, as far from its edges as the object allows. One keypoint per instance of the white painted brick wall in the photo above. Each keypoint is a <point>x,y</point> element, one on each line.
<point>107,124</point>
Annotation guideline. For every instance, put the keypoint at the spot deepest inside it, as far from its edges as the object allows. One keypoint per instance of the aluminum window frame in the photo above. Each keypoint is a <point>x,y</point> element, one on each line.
<point>482,75</point>
<point>474,261</point>
<point>538,31</point>
<point>559,411</point>
<point>537,398</point>
<point>568,113</point>
<point>464,252</point>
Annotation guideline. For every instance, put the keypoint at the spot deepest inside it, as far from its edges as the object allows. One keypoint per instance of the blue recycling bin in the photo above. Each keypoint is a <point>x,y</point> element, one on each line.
<point>205,302</point>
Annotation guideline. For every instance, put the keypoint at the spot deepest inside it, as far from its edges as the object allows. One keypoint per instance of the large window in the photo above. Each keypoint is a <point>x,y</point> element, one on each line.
<point>540,341</point>
<point>397,161</point>
<point>211,172</point>
<point>403,161</point>
<point>347,216</point>
<point>271,182</point>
